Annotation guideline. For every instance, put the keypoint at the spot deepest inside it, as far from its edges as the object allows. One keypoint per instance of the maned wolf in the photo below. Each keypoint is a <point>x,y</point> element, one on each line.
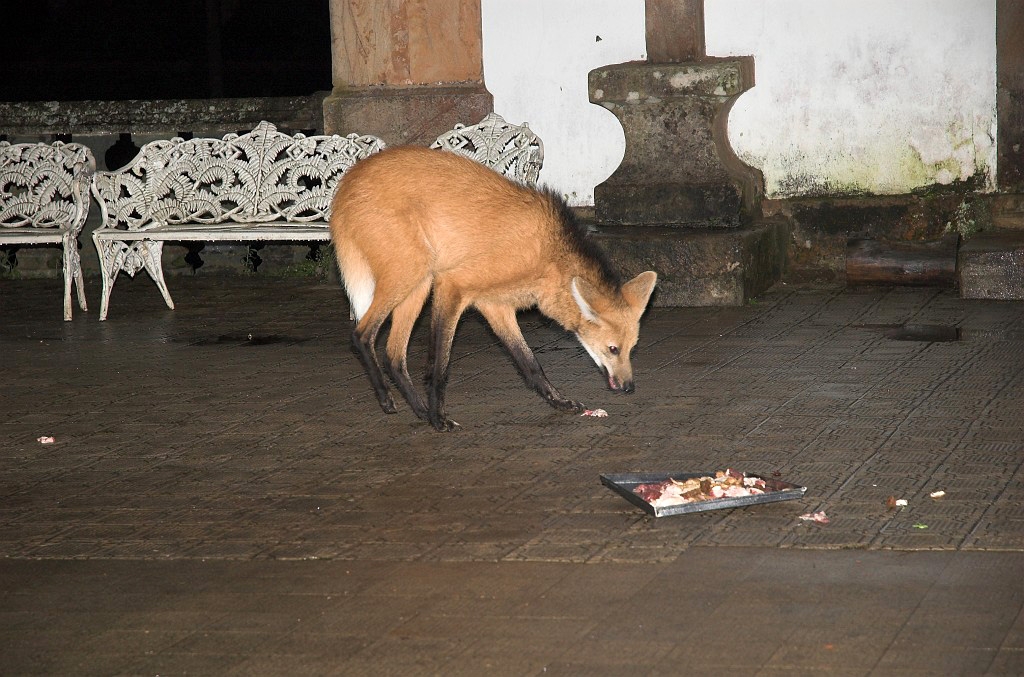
<point>410,220</point>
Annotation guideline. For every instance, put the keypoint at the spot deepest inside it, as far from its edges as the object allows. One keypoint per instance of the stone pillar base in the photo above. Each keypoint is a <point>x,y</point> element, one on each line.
<point>699,267</point>
<point>672,204</point>
<point>678,168</point>
<point>991,266</point>
<point>405,115</point>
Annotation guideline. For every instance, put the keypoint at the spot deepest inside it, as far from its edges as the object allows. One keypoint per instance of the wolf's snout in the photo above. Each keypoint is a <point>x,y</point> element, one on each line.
<point>620,386</point>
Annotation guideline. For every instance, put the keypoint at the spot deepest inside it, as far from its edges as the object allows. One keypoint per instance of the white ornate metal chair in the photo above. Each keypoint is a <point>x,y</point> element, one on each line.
<point>44,199</point>
<point>512,150</point>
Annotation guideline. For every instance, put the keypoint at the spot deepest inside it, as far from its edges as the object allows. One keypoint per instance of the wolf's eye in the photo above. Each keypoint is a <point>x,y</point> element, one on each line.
<point>614,350</point>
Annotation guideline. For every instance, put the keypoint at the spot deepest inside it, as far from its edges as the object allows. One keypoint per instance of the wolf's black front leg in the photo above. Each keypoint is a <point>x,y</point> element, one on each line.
<point>503,321</point>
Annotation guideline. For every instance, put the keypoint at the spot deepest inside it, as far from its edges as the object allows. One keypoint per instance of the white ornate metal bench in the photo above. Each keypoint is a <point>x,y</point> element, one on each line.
<point>260,186</point>
<point>512,150</point>
<point>44,199</point>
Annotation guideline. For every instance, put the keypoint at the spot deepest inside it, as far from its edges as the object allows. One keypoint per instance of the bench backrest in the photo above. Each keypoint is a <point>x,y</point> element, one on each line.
<point>512,150</point>
<point>257,177</point>
<point>45,185</point>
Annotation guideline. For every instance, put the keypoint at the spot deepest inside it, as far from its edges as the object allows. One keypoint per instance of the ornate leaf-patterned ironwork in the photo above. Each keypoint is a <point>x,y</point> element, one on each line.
<point>258,177</point>
<point>43,188</point>
<point>45,185</point>
<point>512,150</point>
<point>238,181</point>
<point>301,176</point>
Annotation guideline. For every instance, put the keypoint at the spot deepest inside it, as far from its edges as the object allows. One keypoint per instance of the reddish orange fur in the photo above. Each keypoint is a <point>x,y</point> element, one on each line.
<point>410,220</point>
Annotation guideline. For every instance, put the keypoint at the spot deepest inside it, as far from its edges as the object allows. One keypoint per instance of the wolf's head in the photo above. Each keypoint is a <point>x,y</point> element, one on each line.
<point>611,325</point>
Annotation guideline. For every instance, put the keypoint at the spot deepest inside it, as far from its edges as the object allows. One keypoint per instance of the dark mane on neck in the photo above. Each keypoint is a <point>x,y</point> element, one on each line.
<point>574,236</point>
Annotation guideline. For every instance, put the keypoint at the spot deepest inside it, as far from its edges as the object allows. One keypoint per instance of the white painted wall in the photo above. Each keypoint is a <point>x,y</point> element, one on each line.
<point>537,54</point>
<point>872,96</point>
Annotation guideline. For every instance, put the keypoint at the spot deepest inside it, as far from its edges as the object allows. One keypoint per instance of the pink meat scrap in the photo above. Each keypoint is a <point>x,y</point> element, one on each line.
<point>725,484</point>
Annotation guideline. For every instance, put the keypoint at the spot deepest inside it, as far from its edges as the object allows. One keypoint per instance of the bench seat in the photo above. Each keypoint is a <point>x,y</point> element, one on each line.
<point>230,232</point>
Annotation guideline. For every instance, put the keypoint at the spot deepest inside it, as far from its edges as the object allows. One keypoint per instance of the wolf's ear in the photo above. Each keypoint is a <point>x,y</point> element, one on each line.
<point>637,291</point>
<point>581,291</point>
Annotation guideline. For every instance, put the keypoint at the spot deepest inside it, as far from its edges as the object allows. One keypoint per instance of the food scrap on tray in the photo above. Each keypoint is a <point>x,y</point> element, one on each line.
<point>666,493</point>
<point>725,484</point>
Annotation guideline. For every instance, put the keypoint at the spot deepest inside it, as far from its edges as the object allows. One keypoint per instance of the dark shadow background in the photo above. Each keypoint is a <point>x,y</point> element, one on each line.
<point>72,50</point>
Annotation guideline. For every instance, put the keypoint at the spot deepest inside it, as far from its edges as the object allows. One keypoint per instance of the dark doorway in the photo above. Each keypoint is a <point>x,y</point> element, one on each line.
<point>112,50</point>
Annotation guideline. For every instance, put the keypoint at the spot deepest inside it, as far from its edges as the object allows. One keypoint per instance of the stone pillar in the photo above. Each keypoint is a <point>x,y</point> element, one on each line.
<point>675,30</point>
<point>405,70</point>
<point>678,167</point>
<point>1010,94</point>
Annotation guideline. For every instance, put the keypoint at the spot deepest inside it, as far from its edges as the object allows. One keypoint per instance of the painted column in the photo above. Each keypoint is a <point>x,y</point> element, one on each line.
<point>678,167</point>
<point>675,30</point>
<point>1010,95</point>
<point>405,70</point>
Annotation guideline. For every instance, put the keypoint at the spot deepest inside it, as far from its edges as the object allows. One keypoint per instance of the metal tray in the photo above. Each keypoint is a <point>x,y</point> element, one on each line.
<point>624,483</point>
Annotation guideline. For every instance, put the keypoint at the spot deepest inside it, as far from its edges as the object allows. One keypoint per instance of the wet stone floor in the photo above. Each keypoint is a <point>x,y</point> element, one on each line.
<point>241,428</point>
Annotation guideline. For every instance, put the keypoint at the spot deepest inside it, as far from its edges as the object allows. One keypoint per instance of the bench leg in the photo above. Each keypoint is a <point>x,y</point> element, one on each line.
<point>72,265</point>
<point>67,285</point>
<point>80,285</point>
<point>109,268</point>
<point>153,261</point>
<point>116,256</point>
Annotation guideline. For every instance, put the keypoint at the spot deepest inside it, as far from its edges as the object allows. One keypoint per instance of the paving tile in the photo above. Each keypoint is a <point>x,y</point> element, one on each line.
<point>262,482</point>
<point>506,657</point>
<point>935,659</point>
<point>854,651</point>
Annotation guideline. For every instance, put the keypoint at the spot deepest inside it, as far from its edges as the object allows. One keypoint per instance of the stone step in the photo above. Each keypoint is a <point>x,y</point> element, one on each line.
<point>699,266</point>
<point>991,266</point>
<point>1007,211</point>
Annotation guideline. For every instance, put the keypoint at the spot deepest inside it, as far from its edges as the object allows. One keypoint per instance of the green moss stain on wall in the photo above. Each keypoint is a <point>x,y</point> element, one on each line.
<point>959,156</point>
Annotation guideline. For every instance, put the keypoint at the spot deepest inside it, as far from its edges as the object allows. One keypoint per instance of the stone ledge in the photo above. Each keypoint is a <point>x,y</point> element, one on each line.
<point>699,267</point>
<point>46,118</point>
<point>634,83</point>
<point>991,266</point>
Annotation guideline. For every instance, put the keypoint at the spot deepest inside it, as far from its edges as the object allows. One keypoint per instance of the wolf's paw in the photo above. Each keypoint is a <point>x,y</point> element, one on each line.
<point>569,406</point>
<point>441,422</point>
<point>444,424</point>
<point>388,404</point>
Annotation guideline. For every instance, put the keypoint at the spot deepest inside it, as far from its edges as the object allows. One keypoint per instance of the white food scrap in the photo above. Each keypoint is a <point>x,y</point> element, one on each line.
<point>820,517</point>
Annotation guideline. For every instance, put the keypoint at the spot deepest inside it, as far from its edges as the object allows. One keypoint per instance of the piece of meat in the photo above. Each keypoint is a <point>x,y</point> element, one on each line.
<point>652,491</point>
<point>725,484</point>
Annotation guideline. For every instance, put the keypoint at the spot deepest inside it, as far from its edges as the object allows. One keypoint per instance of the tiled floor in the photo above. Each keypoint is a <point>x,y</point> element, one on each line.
<point>225,496</point>
<point>761,611</point>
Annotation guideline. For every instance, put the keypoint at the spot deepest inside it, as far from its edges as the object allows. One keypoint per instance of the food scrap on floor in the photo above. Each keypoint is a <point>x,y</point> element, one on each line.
<point>820,517</point>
